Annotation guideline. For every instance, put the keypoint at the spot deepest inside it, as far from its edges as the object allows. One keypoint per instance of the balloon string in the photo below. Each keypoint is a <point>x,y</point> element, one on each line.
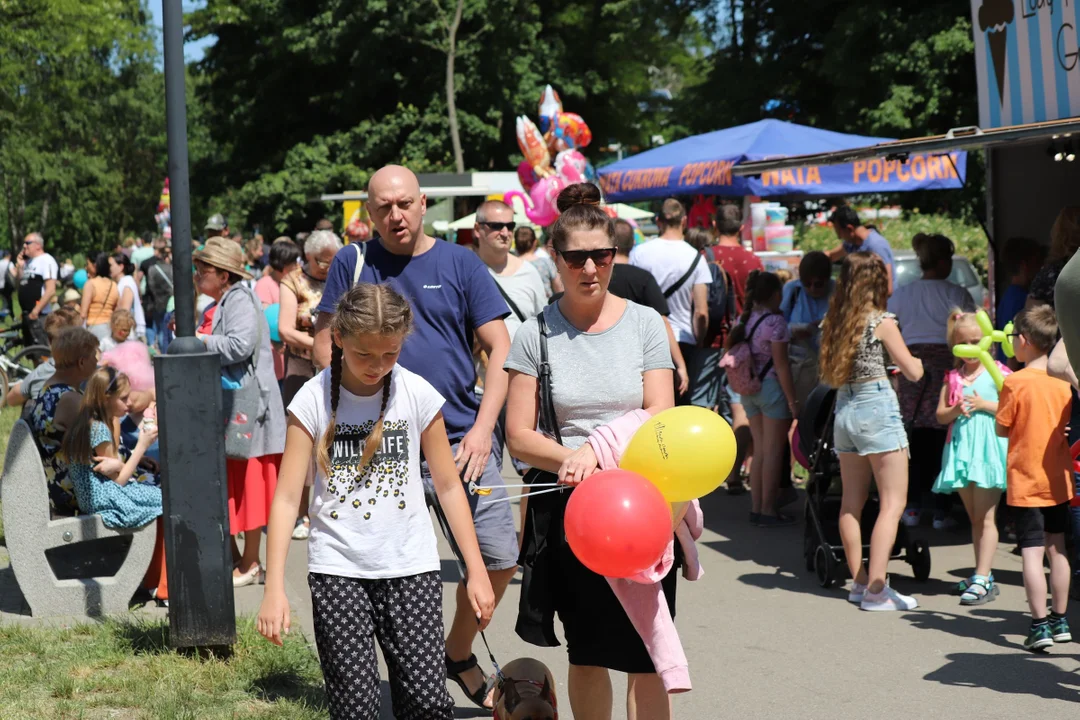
<point>515,497</point>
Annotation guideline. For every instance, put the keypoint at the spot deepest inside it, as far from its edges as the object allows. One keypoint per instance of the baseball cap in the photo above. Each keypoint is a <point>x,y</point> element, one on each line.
<point>216,223</point>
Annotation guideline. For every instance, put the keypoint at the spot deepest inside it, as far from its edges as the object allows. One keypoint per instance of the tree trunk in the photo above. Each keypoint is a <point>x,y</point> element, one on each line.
<point>451,104</point>
<point>734,27</point>
<point>44,212</point>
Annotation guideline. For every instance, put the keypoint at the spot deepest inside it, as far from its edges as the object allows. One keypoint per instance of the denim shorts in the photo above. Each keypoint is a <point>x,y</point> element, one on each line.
<point>770,402</point>
<point>868,419</point>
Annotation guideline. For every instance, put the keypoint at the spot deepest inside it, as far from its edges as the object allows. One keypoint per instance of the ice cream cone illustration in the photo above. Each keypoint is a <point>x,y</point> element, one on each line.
<point>995,16</point>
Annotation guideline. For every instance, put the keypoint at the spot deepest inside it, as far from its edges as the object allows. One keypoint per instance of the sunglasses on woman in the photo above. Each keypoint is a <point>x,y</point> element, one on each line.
<point>576,259</point>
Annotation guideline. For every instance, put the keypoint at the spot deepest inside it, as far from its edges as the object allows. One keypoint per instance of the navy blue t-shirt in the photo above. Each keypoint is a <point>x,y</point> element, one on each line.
<point>452,293</point>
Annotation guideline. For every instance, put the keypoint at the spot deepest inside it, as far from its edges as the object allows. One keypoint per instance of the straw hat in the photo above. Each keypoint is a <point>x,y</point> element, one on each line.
<point>71,295</point>
<point>224,254</point>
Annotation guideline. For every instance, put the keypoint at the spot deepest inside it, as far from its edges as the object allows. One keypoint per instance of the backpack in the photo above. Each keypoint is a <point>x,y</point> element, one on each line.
<point>739,364</point>
<point>721,305</point>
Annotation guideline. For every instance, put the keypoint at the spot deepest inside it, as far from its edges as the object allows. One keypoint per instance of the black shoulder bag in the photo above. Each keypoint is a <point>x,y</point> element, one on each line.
<point>543,538</point>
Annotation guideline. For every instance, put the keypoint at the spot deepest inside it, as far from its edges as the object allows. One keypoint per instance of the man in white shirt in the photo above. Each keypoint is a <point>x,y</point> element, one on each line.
<point>683,275</point>
<point>518,280</point>
<point>36,272</point>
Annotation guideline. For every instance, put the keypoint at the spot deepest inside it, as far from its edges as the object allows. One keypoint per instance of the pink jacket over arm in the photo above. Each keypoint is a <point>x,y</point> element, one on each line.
<point>642,596</point>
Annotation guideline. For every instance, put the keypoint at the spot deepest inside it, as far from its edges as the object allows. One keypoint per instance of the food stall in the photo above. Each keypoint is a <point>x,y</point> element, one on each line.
<point>707,165</point>
<point>1028,68</point>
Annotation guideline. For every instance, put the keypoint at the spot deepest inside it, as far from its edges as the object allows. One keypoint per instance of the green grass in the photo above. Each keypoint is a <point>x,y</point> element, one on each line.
<point>125,670</point>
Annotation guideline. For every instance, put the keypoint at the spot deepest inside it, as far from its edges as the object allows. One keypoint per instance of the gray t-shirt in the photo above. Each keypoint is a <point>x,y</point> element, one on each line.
<point>595,377</point>
<point>526,288</point>
<point>547,270</point>
<point>32,385</point>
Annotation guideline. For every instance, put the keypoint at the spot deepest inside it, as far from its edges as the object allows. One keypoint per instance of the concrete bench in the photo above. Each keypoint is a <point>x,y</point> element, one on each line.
<point>31,532</point>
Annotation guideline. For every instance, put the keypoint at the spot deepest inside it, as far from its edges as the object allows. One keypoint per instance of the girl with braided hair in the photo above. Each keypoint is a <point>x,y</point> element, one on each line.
<point>372,557</point>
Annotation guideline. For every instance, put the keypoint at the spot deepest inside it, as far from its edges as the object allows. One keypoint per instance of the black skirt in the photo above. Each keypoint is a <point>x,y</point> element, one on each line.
<point>595,626</point>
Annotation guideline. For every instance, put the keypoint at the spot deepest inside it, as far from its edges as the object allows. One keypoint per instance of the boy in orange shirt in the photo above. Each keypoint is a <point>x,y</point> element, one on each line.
<point>1033,411</point>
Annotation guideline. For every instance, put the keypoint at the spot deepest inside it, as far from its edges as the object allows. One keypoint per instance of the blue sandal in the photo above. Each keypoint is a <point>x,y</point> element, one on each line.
<point>961,587</point>
<point>981,591</point>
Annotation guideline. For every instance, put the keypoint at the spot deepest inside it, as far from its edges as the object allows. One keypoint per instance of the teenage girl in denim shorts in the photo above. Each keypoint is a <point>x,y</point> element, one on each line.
<point>858,339</point>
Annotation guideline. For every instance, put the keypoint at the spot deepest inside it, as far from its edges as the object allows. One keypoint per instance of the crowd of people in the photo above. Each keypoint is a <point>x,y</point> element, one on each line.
<point>392,375</point>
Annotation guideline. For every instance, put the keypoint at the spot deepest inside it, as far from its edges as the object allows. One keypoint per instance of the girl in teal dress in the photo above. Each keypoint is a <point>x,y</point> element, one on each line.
<point>106,483</point>
<point>973,462</point>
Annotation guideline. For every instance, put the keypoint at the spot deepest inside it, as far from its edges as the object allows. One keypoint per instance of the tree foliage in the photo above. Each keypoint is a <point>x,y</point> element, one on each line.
<point>81,120</point>
<point>301,97</point>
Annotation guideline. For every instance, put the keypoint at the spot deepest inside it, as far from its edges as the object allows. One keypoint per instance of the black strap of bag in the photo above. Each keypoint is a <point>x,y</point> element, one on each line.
<point>514,308</point>
<point>549,424</point>
<point>682,281</point>
<point>768,366</point>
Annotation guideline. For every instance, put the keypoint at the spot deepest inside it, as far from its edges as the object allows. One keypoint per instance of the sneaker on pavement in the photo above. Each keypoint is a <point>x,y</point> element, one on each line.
<point>1059,629</point>
<point>301,531</point>
<point>857,592</point>
<point>912,517</point>
<point>887,600</point>
<point>1039,637</point>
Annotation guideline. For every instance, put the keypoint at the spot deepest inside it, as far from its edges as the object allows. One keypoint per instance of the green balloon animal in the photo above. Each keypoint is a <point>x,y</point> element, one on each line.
<point>982,350</point>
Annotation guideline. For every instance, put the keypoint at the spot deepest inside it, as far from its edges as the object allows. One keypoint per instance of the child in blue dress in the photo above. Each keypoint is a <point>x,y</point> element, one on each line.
<point>973,462</point>
<point>121,493</point>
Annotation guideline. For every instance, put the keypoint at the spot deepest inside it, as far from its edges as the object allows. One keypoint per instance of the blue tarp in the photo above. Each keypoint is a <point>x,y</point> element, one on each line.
<point>701,165</point>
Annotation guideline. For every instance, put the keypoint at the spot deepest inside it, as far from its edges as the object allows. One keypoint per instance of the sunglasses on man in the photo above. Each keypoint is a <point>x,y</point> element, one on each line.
<point>576,259</point>
<point>498,226</point>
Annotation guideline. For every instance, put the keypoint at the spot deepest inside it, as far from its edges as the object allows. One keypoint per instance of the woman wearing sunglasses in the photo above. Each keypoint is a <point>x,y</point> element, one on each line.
<point>607,357</point>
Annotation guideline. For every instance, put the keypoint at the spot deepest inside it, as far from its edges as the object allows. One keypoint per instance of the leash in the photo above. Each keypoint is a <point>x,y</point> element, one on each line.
<point>491,656</point>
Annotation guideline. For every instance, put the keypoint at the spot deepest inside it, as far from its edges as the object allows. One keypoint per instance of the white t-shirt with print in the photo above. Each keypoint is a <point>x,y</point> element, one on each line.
<point>669,260</point>
<point>373,524</point>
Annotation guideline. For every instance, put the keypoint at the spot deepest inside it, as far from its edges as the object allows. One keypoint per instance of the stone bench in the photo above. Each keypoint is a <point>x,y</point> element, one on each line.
<point>31,533</point>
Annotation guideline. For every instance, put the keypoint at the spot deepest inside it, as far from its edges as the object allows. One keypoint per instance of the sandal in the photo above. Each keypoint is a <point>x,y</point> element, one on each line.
<point>454,668</point>
<point>961,587</point>
<point>981,591</point>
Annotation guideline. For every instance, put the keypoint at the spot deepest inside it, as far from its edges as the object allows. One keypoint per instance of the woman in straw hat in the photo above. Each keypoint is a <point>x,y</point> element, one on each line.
<point>234,326</point>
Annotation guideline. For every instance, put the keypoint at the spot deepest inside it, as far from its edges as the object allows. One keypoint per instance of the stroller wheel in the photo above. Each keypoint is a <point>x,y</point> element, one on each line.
<point>919,559</point>
<point>825,566</point>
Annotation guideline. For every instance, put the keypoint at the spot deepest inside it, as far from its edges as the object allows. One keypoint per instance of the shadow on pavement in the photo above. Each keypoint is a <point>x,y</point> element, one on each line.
<point>1003,628</point>
<point>1019,674</point>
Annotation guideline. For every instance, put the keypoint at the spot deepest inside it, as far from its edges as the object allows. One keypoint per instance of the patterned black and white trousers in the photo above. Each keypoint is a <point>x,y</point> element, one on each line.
<point>405,616</point>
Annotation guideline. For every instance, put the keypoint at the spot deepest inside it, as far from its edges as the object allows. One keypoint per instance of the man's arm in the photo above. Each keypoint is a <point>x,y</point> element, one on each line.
<point>475,447</point>
<point>701,312</point>
<point>320,355</point>
<point>677,357</point>
<point>46,298</point>
<point>837,253</point>
<point>888,273</point>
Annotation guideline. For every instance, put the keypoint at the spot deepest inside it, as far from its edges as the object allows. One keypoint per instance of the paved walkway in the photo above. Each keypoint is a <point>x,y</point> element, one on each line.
<point>764,641</point>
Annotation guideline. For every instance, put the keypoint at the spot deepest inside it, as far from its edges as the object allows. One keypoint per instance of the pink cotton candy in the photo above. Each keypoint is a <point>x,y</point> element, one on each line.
<point>133,359</point>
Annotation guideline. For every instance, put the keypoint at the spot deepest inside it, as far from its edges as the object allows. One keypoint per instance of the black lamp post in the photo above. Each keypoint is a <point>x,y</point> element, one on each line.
<point>192,439</point>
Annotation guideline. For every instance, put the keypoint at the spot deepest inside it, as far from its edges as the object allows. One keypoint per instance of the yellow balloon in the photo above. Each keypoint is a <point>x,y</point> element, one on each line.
<point>983,319</point>
<point>685,451</point>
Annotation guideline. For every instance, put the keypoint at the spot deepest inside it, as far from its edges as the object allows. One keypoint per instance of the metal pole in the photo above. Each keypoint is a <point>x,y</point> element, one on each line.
<point>179,185</point>
<point>188,382</point>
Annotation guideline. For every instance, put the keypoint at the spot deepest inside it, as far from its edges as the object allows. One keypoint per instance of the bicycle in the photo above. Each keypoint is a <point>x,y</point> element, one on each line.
<point>18,365</point>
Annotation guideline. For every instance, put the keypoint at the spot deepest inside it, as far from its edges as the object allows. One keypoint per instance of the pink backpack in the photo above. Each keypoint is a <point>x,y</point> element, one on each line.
<point>738,362</point>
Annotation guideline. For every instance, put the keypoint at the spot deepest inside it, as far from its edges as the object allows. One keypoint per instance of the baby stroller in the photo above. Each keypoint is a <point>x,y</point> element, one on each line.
<point>822,549</point>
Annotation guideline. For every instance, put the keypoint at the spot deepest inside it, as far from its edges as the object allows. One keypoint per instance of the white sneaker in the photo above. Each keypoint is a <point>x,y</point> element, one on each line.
<point>912,517</point>
<point>887,600</point>
<point>301,531</point>
<point>855,595</point>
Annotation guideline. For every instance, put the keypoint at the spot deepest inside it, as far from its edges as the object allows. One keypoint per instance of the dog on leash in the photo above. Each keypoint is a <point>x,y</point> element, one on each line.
<point>526,691</point>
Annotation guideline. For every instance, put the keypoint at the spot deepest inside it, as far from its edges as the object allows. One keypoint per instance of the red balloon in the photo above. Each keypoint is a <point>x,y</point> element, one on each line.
<point>617,523</point>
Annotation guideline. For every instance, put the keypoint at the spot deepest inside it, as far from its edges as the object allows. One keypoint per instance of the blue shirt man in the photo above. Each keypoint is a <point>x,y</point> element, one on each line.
<point>855,237</point>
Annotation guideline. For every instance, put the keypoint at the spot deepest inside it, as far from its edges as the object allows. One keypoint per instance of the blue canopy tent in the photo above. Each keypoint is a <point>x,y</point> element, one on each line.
<point>702,165</point>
